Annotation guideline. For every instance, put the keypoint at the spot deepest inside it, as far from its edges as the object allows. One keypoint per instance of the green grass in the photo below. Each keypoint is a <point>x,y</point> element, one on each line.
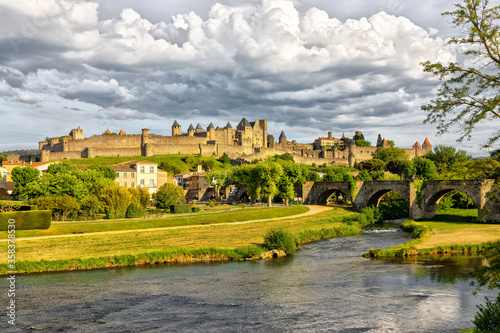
<point>65,228</point>
<point>104,250</point>
<point>175,159</point>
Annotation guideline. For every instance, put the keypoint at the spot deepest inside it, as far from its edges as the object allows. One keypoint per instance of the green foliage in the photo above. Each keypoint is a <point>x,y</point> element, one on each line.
<point>487,318</point>
<point>278,239</point>
<point>444,157</point>
<point>135,210</point>
<point>170,167</point>
<point>424,168</point>
<point>284,157</point>
<point>90,205</point>
<point>364,175</point>
<point>115,201</point>
<point>106,171</point>
<point>167,195</point>
<point>211,203</point>
<point>26,220</point>
<point>60,168</point>
<point>216,179</point>
<point>374,164</point>
<point>362,143</point>
<point>390,154</point>
<point>208,164</point>
<point>23,176</point>
<point>3,158</point>
<point>177,209</point>
<point>469,91</point>
<point>140,195</point>
<point>224,159</point>
<point>415,229</point>
<point>486,168</point>
<point>62,207</point>
<point>393,206</point>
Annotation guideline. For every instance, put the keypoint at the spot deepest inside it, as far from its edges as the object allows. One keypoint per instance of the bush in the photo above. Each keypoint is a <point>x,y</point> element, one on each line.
<point>62,207</point>
<point>278,239</point>
<point>167,195</point>
<point>487,318</point>
<point>195,209</point>
<point>135,210</point>
<point>211,203</point>
<point>28,220</point>
<point>180,209</point>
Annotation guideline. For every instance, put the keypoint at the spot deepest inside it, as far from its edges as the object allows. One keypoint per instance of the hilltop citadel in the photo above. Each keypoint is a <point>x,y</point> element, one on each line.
<point>249,141</point>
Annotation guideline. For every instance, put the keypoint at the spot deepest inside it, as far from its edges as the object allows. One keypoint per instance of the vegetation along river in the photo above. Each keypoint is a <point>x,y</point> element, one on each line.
<point>325,287</point>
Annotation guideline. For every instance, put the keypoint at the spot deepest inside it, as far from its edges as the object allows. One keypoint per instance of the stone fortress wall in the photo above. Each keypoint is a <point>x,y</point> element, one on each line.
<point>249,141</point>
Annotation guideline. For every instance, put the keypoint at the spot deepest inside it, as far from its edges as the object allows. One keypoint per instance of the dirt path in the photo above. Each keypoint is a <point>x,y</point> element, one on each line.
<point>312,210</point>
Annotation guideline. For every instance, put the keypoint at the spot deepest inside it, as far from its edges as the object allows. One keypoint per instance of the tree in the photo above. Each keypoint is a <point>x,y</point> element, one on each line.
<point>424,168</point>
<point>468,93</point>
<point>3,158</point>
<point>90,205</point>
<point>170,168</point>
<point>23,176</point>
<point>446,156</point>
<point>374,164</point>
<point>224,159</point>
<point>390,154</point>
<point>63,167</point>
<point>269,175</point>
<point>106,171</point>
<point>62,207</point>
<point>115,201</point>
<point>363,143</point>
<point>167,195</point>
<point>292,174</point>
<point>216,179</point>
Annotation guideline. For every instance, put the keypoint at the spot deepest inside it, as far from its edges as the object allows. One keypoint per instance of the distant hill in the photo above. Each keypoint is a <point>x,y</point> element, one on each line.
<point>20,152</point>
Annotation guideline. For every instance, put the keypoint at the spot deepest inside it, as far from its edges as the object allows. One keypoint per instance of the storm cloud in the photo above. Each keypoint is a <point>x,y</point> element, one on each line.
<point>301,68</point>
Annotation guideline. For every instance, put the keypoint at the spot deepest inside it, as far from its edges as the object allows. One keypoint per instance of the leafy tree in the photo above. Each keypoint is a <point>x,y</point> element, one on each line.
<point>208,164</point>
<point>292,174</point>
<point>446,156</point>
<point>90,205</point>
<point>374,164</point>
<point>216,179</point>
<point>171,168</point>
<point>224,159</point>
<point>135,209</point>
<point>140,195</point>
<point>3,158</point>
<point>63,167</point>
<point>62,207</point>
<point>469,91</point>
<point>23,176</point>
<point>269,175</point>
<point>358,137</point>
<point>486,168</point>
<point>284,157</point>
<point>390,154</point>
<point>424,168</point>
<point>246,174</point>
<point>106,171</point>
<point>167,195</point>
<point>363,143</point>
<point>115,201</point>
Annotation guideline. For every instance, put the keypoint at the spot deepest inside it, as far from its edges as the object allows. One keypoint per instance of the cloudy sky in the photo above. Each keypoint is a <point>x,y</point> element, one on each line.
<point>307,66</point>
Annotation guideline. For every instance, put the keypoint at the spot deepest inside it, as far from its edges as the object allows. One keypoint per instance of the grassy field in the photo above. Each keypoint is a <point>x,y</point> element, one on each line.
<point>175,159</point>
<point>216,236</point>
<point>454,230</point>
<point>66,228</point>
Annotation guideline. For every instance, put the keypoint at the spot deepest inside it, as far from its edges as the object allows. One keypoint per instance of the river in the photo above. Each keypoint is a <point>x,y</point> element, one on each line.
<point>326,287</point>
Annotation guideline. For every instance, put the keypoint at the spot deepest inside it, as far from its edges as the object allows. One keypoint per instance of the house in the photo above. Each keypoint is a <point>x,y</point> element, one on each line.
<point>138,174</point>
<point>6,168</point>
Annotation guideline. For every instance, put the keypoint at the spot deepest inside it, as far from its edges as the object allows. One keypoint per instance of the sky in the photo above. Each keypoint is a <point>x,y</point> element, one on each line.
<point>308,67</point>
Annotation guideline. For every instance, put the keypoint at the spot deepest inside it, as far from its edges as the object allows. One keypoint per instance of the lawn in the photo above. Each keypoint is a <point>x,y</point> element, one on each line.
<point>66,228</point>
<point>220,236</point>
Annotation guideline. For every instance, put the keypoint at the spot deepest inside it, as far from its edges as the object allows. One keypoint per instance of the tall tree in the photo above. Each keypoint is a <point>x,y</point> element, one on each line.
<point>469,91</point>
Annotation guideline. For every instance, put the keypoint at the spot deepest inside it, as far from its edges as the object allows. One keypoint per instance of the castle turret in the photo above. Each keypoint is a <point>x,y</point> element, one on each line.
<point>191,130</point>
<point>176,129</point>
<point>199,129</point>
<point>122,132</point>
<point>352,159</point>
<point>282,137</point>
<point>76,133</point>
<point>145,148</point>
<point>41,144</point>
<point>417,148</point>
<point>427,147</point>
<point>352,148</point>
<point>211,132</point>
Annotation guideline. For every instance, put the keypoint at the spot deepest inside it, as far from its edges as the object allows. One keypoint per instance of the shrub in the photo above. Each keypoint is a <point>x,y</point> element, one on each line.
<point>167,195</point>
<point>135,210</point>
<point>28,220</point>
<point>115,201</point>
<point>278,239</point>
<point>62,207</point>
<point>195,209</point>
<point>211,203</point>
<point>180,209</point>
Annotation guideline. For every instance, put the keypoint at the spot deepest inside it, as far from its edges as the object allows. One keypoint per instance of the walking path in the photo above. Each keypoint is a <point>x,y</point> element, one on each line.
<point>312,210</point>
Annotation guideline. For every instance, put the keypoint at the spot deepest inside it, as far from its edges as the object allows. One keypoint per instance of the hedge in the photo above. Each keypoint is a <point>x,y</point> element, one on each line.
<point>180,208</point>
<point>26,220</point>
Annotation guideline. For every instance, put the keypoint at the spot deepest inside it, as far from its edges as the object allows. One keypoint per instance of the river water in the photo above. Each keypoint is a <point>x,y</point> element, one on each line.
<point>326,287</point>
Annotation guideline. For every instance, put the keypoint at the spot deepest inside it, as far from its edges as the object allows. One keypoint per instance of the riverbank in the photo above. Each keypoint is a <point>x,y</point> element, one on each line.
<point>214,242</point>
<point>450,232</point>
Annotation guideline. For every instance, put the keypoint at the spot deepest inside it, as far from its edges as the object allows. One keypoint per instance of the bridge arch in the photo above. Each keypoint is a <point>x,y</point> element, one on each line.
<point>375,199</point>
<point>323,197</point>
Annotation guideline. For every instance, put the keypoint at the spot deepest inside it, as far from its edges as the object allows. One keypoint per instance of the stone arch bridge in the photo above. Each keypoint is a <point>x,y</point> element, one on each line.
<point>422,203</point>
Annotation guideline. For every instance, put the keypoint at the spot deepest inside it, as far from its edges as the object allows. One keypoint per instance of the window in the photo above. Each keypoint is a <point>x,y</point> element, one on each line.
<point>117,174</point>
<point>142,182</point>
<point>124,175</point>
<point>131,175</point>
<point>152,169</point>
<point>117,183</point>
<point>132,184</point>
<point>125,184</point>
<point>151,183</point>
<point>142,169</point>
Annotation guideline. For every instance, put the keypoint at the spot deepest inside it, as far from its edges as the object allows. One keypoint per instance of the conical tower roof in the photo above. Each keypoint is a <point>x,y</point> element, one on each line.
<point>199,126</point>
<point>282,135</point>
<point>228,126</point>
<point>244,123</point>
<point>427,142</point>
<point>176,124</point>
<point>108,131</point>
<point>122,132</point>
<point>191,128</point>
<point>417,144</point>
<point>211,126</point>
